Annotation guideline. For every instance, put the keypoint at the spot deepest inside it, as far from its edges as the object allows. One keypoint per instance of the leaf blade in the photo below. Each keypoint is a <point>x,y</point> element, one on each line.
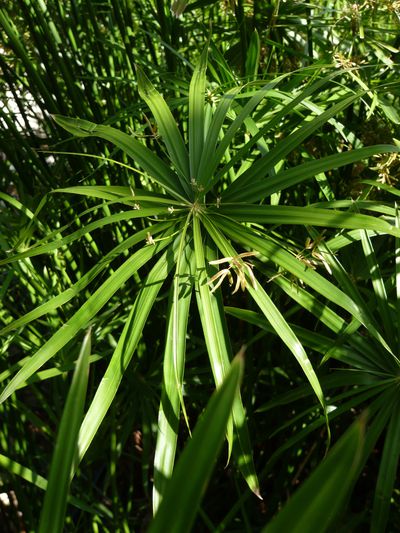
<point>55,501</point>
<point>198,458</point>
<point>323,494</point>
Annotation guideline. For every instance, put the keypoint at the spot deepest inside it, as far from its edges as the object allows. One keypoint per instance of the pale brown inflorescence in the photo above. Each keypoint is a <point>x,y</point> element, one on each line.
<point>239,267</point>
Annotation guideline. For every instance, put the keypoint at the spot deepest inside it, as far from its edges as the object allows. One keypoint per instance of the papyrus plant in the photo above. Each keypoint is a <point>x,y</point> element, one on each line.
<point>208,200</point>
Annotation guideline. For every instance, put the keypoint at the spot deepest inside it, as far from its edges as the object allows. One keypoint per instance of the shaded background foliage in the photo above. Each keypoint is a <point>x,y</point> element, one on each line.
<point>79,59</point>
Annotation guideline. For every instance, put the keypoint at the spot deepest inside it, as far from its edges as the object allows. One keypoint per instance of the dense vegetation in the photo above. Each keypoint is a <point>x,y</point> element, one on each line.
<point>182,182</point>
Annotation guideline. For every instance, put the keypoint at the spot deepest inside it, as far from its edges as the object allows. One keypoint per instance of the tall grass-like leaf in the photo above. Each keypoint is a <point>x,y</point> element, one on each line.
<point>273,252</point>
<point>229,134</point>
<point>260,168</point>
<point>286,334</point>
<point>387,474</point>
<point>168,129</point>
<point>82,317</point>
<point>40,249</point>
<point>315,341</point>
<point>205,170</point>
<point>174,362</point>
<point>83,282</point>
<point>273,315</point>
<point>379,288</point>
<point>196,115</point>
<point>125,195</point>
<point>32,70</point>
<point>124,350</point>
<point>319,500</point>
<point>253,56</point>
<point>379,400</point>
<point>345,334</point>
<point>306,216</point>
<point>293,176</point>
<point>345,282</point>
<point>217,346</point>
<point>178,508</point>
<point>157,169</point>
<point>298,100</point>
<point>55,501</point>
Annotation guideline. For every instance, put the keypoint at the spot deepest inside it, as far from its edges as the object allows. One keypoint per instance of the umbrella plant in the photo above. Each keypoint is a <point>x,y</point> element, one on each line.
<point>208,205</point>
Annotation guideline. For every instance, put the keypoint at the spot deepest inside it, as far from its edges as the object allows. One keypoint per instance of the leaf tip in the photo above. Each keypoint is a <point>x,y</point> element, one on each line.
<point>257,492</point>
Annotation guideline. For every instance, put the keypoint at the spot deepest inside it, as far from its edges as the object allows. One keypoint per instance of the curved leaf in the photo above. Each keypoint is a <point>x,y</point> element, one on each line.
<point>186,487</point>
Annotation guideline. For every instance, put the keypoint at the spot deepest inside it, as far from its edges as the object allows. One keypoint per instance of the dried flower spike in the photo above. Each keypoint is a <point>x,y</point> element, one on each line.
<point>239,267</point>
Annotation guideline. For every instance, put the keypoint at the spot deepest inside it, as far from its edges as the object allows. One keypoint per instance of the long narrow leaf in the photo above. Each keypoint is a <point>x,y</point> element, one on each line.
<point>205,171</point>
<point>83,282</point>
<point>274,317</point>
<point>40,249</point>
<point>82,317</point>
<point>55,501</point>
<point>261,167</point>
<point>185,489</point>
<point>378,284</point>
<point>196,114</point>
<point>267,185</point>
<point>211,315</point>
<point>16,469</point>
<point>320,499</point>
<point>387,474</point>
<point>286,334</point>
<point>124,350</point>
<point>174,361</point>
<point>152,164</point>
<point>167,126</point>
<point>307,216</point>
<point>271,251</point>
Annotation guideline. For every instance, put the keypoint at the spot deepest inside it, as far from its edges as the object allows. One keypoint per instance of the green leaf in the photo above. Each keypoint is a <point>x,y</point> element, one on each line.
<point>174,364</point>
<point>206,168</point>
<point>47,247</point>
<point>293,103</point>
<point>267,185</point>
<point>307,216</point>
<point>125,348</point>
<point>388,188</point>
<point>218,347</point>
<point>387,474</point>
<point>83,282</point>
<point>253,56</point>
<point>196,114</point>
<point>55,501</point>
<point>242,115</point>
<point>378,285</point>
<point>272,313</point>
<point>153,165</point>
<point>310,339</point>
<point>390,112</point>
<point>16,469</point>
<point>260,168</point>
<point>286,334</point>
<point>82,317</point>
<point>167,126</point>
<point>126,195</point>
<point>323,495</point>
<point>178,508</point>
<point>272,251</point>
